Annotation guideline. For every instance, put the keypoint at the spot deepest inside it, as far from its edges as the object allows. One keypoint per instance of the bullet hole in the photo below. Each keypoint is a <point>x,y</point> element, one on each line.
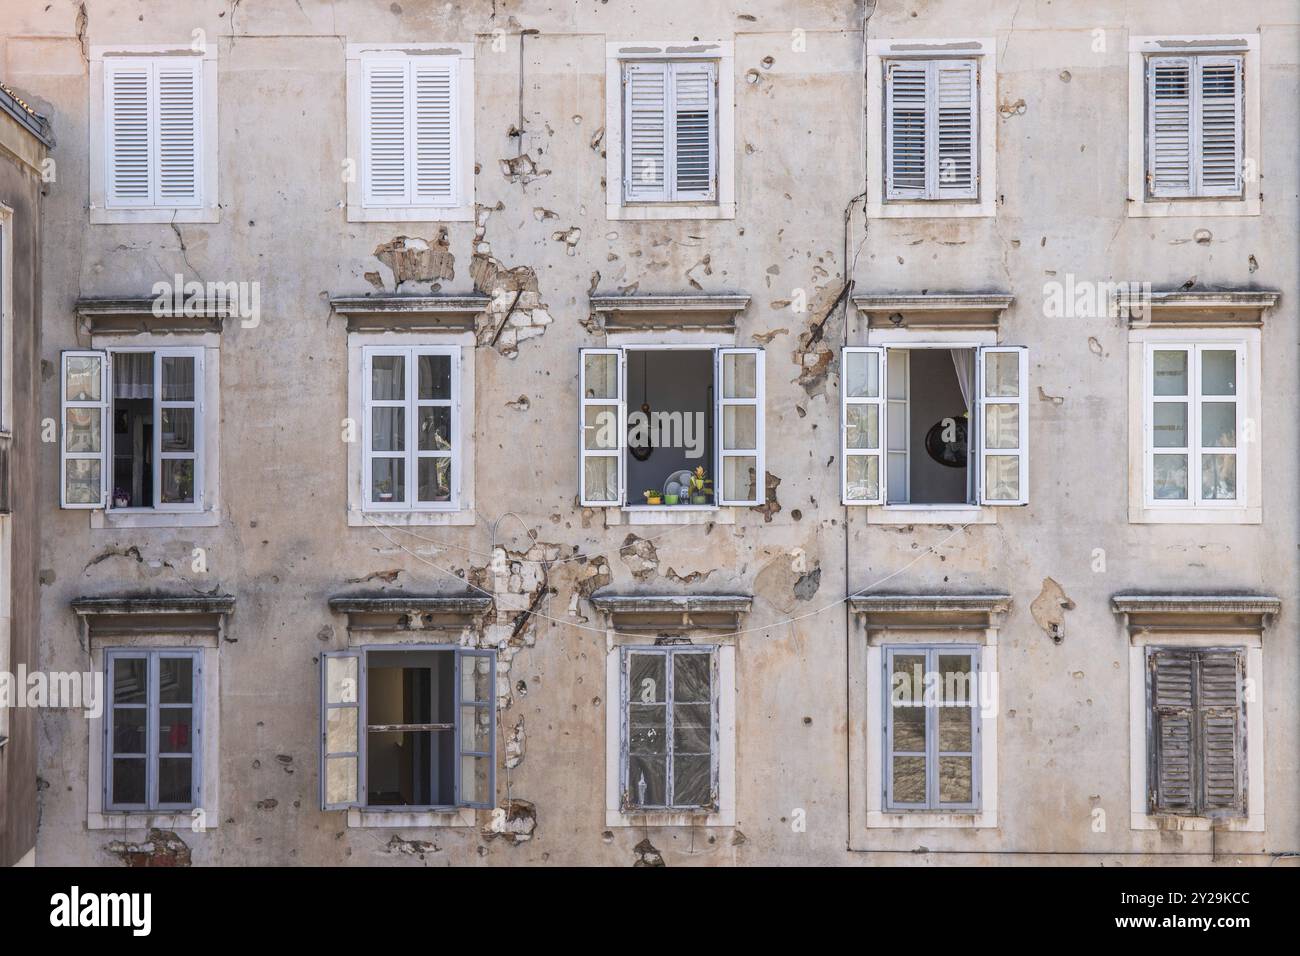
<point>1203,237</point>
<point>1253,264</point>
<point>796,514</point>
<point>257,765</point>
<point>521,688</point>
<point>767,62</point>
<point>396,8</point>
<point>647,855</point>
<point>270,803</point>
<point>1065,76</point>
<point>751,77</point>
<point>807,721</point>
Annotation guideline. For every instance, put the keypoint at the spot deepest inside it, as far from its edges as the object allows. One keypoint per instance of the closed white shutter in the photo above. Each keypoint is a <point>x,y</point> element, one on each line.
<point>83,383</point>
<point>955,129</point>
<point>386,123</point>
<point>645,117</point>
<point>1002,425</point>
<point>906,102</point>
<point>434,98</point>
<point>179,124</point>
<point>694,130</point>
<point>127,116</point>
<point>602,427</point>
<point>1219,125</point>
<point>862,390</point>
<point>1169,126</point>
<point>738,383</point>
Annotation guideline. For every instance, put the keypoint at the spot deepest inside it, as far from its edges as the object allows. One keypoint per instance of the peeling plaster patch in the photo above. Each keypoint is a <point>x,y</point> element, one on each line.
<point>418,848</point>
<point>388,577</point>
<point>570,239</point>
<point>647,855</point>
<point>159,848</point>
<point>516,827</point>
<point>412,259</point>
<point>515,745</point>
<point>1054,399</point>
<point>1048,610</point>
<point>520,404</point>
<point>702,264</point>
<point>641,557</point>
<point>763,338</point>
<point>1094,347</point>
<point>522,169</point>
<point>598,141</point>
<point>153,566</point>
<point>771,506</point>
<point>806,587</point>
<point>1011,109</point>
<point>516,312</point>
<point>375,279</point>
<point>1252,264</point>
<point>813,354</point>
<point>690,578</point>
<point>541,215</point>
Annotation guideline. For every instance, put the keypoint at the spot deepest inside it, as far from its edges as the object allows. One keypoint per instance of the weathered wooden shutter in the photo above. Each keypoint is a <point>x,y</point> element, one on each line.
<point>1169,126</point>
<point>694,130</point>
<point>1219,125</point>
<point>1219,710</point>
<point>955,129</point>
<point>435,132</point>
<point>906,115</point>
<point>1173,718</point>
<point>179,125</point>
<point>645,118</point>
<point>128,118</point>
<point>385,177</point>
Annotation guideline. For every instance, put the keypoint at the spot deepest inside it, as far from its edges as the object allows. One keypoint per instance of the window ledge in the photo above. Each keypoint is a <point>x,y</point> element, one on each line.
<point>671,818</point>
<point>411,214</point>
<point>102,216</point>
<point>932,514</point>
<point>409,819</point>
<point>1170,208</point>
<point>670,514</point>
<point>640,213</point>
<point>373,519</point>
<point>141,820</point>
<point>914,820</point>
<point>155,519</point>
<point>1148,821</point>
<point>931,209</point>
<point>1196,516</point>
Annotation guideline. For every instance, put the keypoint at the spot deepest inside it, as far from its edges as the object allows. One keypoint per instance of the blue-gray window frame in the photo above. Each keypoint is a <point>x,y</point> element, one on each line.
<point>461,653</point>
<point>932,753</point>
<point>625,721</point>
<point>152,706</point>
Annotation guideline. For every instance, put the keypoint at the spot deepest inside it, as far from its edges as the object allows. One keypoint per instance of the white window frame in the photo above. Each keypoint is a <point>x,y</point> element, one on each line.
<point>208,209</point>
<point>462,208</point>
<point>1248,506</point>
<point>983,51</point>
<point>207,688</point>
<point>460,510</point>
<point>1140,817</point>
<point>6,320</point>
<point>1140,48</point>
<point>617,55</point>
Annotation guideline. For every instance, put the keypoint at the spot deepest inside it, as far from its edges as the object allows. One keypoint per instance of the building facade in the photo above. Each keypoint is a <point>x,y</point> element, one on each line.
<point>386,340</point>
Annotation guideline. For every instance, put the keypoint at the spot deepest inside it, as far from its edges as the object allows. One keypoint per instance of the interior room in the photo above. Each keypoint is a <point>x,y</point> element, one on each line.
<point>410,717</point>
<point>679,382</point>
<point>930,392</point>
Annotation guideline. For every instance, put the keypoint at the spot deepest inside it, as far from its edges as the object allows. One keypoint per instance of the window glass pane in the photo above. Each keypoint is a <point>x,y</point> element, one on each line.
<point>435,428</point>
<point>956,782</point>
<point>1218,372</point>
<point>133,375</point>
<point>341,730</point>
<point>341,680</point>
<point>692,780</point>
<point>862,426</point>
<point>341,780</point>
<point>647,728</point>
<point>1169,424</point>
<point>739,473</point>
<point>129,680</point>
<point>475,728</point>
<point>897,383</point>
<point>600,375</point>
<point>128,780</point>
<point>81,433</point>
<point>909,780</point>
<point>909,728</point>
<point>475,779</point>
<point>178,429</point>
<point>1219,424</point>
<point>957,678</point>
<point>740,376</point>
<point>176,680</point>
<point>387,479</point>
<point>647,780</point>
<point>435,479</point>
<point>1001,374</point>
<point>896,426</point>
<point>954,729</point>
<point>178,480</point>
<point>1170,372</point>
<point>600,427</point>
<point>1001,426</point>
<point>177,378</point>
<point>600,478</point>
<point>387,378</point>
<point>739,426</point>
<point>129,730</point>
<point>691,678</point>
<point>861,375</point>
<point>863,474</point>
<point>175,780</point>
<point>175,730</point>
<point>435,377</point>
<point>1170,476</point>
<point>1219,477</point>
<point>1002,477</point>
<point>476,678</point>
<point>907,678</point>
<point>646,678</point>
<point>83,481</point>
<point>388,429</point>
<point>692,729</point>
<point>83,379</point>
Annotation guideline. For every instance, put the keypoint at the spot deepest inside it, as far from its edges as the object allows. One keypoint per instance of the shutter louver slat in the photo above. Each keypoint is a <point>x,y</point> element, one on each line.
<point>435,121</point>
<point>955,130</point>
<point>128,136</point>
<point>178,139</point>
<point>647,86</point>
<point>386,140</point>
<point>1220,126</point>
<point>693,118</point>
<point>906,123</point>
<point>1170,132</point>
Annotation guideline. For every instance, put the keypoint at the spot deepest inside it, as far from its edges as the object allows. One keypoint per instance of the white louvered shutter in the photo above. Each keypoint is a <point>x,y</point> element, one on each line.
<point>385,177</point>
<point>645,91</point>
<point>128,120</point>
<point>178,104</point>
<point>1169,126</point>
<point>434,101</point>
<point>1219,125</point>
<point>955,129</point>
<point>906,102</point>
<point>694,130</point>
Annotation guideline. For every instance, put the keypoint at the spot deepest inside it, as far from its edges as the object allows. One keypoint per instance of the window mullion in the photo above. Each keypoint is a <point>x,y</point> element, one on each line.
<point>670,133</point>
<point>152,719</point>
<point>1194,437</point>
<point>412,413</point>
<point>931,733</point>
<point>669,751</point>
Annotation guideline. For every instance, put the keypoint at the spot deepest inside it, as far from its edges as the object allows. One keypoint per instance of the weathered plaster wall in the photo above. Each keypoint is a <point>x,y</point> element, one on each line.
<point>284,546</point>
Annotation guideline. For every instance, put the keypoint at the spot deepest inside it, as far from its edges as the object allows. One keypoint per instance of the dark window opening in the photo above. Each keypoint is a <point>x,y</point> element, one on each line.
<point>411,722</point>
<point>930,395</point>
<point>670,408</point>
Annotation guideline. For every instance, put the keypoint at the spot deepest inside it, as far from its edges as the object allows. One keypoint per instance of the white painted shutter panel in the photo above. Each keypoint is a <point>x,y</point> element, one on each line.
<point>862,409</point>
<point>1169,126</point>
<point>738,381</point>
<point>694,115</point>
<point>386,177</point>
<point>341,730</point>
<point>955,129</point>
<point>602,429</point>
<point>179,124</point>
<point>906,102</point>
<point>1220,709</point>
<point>645,111</point>
<point>435,131</point>
<point>1002,424</point>
<point>83,381</point>
<point>128,119</point>
<point>1172,676</point>
<point>1219,125</point>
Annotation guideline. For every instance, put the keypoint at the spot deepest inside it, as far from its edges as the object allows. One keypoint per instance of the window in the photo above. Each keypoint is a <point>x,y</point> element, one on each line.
<point>154,128</point>
<point>132,429</point>
<point>932,127</point>
<point>1193,424</point>
<point>1194,114</point>
<point>932,728</point>
<point>670,728</point>
<point>935,426</point>
<point>411,138</point>
<point>1197,727</point>
<point>668,118</point>
<point>153,729</point>
<point>678,426</point>
<point>408,728</point>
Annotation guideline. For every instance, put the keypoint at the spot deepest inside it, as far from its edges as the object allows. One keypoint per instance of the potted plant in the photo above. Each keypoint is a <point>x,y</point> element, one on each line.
<point>384,489</point>
<point>653,496</point>
<point>121,498</point>
<point>701,487</point>
<point>671,499</point>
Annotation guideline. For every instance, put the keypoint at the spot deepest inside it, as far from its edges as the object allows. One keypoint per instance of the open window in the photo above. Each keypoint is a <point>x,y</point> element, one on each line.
<point>408,728</point>
<point>652,418</point>
<point>925,425</point>
<point>132,429</point>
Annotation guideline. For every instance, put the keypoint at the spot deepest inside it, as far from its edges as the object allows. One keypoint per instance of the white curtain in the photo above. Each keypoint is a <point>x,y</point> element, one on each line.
<point>961,361</point>
<point>133,375</point>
